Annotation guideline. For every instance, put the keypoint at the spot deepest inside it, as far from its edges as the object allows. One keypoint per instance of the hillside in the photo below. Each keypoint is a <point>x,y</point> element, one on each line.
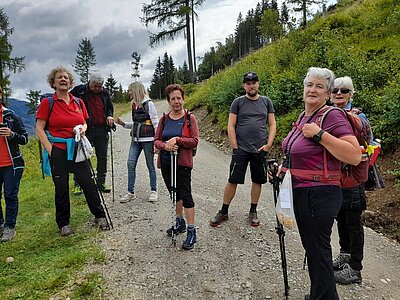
<point>22,108</point>
<point>360,39</point>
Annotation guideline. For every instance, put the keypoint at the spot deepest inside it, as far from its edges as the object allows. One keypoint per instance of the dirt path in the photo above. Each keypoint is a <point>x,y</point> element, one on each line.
<point>234,261</point>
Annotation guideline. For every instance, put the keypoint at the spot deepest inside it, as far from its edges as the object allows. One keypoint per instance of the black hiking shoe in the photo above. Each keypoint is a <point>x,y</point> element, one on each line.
<point>180,227</point>
<point>339,261</point>
<point>188,244</point>
<point>218,219</point>
<point>347,275</point>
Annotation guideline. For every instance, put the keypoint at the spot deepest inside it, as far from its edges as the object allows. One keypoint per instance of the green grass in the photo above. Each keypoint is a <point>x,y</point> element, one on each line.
<point>45,263</point>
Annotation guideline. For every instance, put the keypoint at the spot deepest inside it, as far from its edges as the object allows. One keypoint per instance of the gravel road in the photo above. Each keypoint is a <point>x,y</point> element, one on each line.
<point>234,261</point>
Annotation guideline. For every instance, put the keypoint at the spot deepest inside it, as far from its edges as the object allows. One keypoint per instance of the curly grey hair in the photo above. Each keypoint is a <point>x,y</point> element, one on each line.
<point>52,75</point>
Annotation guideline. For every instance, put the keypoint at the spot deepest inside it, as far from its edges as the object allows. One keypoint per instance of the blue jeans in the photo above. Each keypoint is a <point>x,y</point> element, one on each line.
<point>11,180</point>
<point>134,152</point>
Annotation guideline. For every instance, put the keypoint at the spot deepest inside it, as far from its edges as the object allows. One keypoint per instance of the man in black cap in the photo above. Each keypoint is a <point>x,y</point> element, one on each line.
<point>249,137</point>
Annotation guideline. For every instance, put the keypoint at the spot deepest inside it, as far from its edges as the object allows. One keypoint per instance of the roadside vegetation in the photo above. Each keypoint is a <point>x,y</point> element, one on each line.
<point>39,263</point>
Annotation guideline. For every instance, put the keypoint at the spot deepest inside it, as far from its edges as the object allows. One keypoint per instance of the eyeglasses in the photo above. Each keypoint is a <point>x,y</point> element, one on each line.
<point>342,91</point>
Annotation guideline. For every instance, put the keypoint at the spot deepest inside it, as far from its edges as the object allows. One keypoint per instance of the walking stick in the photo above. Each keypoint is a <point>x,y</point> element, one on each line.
<point>112,161</point>
<point>41,157</point>
<point>273,165</point>
<point>174,156</point>
<point>102,201</point>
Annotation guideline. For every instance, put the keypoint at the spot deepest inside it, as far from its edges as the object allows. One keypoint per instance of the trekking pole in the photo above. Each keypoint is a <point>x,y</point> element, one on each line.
<point>41,157</point>
<point>102,201</point>
<point>112,161</point>
<point>174,156</point>
<point>273,165</point>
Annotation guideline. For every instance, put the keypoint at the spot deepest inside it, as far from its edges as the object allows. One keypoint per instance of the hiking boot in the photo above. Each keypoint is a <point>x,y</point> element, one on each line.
<point>253,220</point>
<point>8,234</point>
<point>218,219</point>
<point>347,275</point>
<point>153,196</point>
<point>180,227</point>
<point>66,230</point>
<point>341,259</point>
<point>102,223</point>
<point>104,188</point>
<point>128,197</point>
<point>188,244</point>
<point>77,190</point>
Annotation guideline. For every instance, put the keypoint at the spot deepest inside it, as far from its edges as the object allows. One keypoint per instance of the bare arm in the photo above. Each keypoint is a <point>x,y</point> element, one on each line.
<point>271,132</point>
<point>40,125</point>
<point>232,130</point>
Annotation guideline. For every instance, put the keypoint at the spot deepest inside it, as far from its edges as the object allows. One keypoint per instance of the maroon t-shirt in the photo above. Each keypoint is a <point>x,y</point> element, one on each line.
<point>307,154</point>
<point>63,118</point>
<point>96,108</point>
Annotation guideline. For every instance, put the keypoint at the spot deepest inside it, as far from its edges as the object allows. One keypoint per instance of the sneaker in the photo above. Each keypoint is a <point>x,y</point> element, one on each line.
<point>77,190</point>
<point>104,188</point>
<point>253,220</point>
<point>347,275</point>
<point>188,244</point>
<point>128,197</point>
<point>180,227</point>
<point>8,234</point>
<point>341,259</point>
<point>102,223</point>
<point>153,196</point>
<point>218,219</point>
<point>66,230</point>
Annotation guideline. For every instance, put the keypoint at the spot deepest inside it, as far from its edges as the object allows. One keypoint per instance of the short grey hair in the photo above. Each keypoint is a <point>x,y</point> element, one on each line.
<point>96,78</point>
<point>344,82</point>
<point>321,73</point>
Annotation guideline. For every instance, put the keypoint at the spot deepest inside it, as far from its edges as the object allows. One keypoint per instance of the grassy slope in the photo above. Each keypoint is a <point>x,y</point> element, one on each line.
<point>359,39</point>
<point>45,263</point>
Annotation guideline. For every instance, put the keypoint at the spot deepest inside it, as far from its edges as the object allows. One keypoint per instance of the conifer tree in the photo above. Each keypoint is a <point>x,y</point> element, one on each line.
<point>85,59</point>
<point>7,62</point>
<point>111,86</point>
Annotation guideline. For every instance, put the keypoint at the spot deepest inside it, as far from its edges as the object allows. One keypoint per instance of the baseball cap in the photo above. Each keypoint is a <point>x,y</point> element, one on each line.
<point>251,76</point>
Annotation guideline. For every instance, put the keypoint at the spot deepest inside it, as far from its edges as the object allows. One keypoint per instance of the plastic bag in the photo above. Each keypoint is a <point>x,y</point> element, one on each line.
<point>84,150</point>
<point>284,206</point>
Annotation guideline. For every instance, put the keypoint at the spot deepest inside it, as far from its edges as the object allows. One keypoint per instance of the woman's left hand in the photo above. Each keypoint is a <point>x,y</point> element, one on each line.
<point>5,131</point>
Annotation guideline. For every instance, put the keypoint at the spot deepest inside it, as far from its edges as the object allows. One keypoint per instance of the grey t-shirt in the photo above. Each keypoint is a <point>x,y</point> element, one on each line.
<point>252,120</point>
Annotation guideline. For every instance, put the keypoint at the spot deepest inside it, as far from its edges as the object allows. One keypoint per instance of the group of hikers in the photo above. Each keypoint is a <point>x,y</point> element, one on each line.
<point>320,143</point>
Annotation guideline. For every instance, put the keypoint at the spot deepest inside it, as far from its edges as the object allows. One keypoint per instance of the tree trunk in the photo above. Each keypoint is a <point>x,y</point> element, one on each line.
<point>189,43</point>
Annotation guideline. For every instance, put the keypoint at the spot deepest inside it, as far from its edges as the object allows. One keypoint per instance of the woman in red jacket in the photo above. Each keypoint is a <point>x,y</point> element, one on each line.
<point>178,132</point>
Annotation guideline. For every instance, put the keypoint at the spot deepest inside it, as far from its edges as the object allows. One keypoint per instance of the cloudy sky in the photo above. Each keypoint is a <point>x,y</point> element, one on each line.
<point>48,32</point>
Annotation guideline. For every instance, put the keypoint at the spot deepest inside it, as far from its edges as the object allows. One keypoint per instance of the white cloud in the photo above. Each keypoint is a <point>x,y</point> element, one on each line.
<point>48,32</point>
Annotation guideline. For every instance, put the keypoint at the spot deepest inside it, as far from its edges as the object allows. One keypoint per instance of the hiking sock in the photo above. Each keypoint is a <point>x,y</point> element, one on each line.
<point>190,226</point>
<point>179,218</point>
<point>224,209</point>
<point>253,207</point>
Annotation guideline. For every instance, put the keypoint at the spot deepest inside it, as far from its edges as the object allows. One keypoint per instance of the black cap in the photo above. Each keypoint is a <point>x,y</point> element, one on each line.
<point>251,76</point>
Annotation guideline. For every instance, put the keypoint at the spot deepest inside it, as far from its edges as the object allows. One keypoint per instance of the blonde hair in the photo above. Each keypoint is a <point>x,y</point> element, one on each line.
<point>138,92</point>
<point>52,75</point>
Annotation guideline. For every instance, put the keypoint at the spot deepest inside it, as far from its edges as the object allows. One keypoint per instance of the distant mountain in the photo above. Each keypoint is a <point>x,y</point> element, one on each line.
<point>21,109</point>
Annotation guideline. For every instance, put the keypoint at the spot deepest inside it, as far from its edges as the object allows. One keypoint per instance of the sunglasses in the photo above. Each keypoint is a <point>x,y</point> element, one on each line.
<point>342,91</point>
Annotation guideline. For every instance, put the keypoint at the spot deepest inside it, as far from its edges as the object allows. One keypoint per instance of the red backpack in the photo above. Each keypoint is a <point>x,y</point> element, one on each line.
<point>354,175</point>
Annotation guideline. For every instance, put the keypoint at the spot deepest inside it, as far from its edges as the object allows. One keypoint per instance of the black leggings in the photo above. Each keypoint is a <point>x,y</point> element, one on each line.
<point>60,169</point>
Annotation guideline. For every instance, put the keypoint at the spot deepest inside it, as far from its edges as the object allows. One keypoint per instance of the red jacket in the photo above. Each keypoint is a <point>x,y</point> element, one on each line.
<point>185,143</point>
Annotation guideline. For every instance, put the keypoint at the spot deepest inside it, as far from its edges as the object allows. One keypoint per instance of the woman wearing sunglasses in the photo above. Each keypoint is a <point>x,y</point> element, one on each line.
<point>348,263</point>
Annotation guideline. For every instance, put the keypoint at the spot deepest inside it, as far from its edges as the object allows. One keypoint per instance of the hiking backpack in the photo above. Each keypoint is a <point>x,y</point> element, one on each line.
<point>51,104</point>
<point>353,175</point>
<point>186,126</point>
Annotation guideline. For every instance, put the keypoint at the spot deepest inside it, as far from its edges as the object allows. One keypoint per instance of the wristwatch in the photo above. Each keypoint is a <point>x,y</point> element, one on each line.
<point>317,137</point>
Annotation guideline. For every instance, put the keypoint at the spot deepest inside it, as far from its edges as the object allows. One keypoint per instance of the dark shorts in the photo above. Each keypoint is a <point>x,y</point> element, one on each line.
<point>183,184</point>
<point>239,163</point>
